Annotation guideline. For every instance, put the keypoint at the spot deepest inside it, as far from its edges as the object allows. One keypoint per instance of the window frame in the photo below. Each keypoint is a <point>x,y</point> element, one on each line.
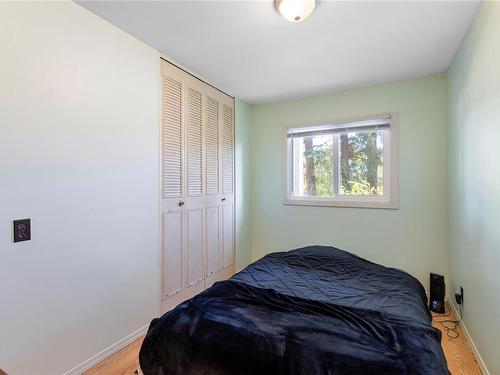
<point>389,200</point>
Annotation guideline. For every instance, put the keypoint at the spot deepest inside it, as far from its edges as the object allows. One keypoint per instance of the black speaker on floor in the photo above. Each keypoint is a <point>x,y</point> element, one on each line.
<point>438,291</point>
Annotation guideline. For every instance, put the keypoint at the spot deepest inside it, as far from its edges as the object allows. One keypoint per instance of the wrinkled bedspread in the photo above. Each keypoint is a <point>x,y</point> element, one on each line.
<point>315,310</point>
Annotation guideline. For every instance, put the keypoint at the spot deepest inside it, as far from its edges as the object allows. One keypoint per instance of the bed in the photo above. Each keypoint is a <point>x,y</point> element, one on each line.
<point>314,310</point>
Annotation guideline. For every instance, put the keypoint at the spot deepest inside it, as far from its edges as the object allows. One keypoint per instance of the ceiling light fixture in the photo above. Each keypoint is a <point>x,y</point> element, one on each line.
<point>295,10</point>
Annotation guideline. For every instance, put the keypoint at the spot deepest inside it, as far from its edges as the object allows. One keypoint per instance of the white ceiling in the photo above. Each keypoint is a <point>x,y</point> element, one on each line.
<point>248,50</point>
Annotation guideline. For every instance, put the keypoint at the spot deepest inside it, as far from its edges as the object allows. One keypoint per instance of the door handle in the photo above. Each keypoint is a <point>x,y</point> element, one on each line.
<point>223,199</point>
<point>181,203</point>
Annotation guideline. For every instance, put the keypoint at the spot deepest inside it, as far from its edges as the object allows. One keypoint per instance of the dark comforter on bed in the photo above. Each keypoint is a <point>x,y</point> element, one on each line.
<point>315,310</point>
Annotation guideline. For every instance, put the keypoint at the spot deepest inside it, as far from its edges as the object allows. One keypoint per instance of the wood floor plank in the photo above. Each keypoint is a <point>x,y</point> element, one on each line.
<point>461,360</point>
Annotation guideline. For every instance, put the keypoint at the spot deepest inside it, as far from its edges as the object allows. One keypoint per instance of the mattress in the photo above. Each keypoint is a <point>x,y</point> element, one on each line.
<point>314,310</point>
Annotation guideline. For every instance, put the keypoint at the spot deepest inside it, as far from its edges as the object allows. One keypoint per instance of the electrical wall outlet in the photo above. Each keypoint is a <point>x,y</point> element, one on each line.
<point>22,230</point>
<point>459,297</point>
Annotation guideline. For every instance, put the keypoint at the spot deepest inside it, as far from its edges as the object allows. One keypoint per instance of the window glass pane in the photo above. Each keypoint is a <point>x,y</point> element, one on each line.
<point>313,166</point>
<point>361,163</point>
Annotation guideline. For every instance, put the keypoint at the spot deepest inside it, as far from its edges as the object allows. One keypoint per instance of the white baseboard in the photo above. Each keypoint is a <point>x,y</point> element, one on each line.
<point>468,337</point>
<point>107,352</point>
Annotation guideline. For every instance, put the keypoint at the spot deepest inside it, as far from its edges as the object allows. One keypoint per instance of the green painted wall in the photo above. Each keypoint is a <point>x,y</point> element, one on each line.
<point>474,114</point>
<point>242,183</point>
<point>414,237</point>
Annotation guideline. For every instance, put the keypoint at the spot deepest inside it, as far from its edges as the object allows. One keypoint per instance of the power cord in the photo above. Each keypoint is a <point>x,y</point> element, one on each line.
<point>450,326</point>
<point>451,330</point>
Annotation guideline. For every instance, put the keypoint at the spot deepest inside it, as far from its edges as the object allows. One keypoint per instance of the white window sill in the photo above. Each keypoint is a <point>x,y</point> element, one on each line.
<point>373,202</point>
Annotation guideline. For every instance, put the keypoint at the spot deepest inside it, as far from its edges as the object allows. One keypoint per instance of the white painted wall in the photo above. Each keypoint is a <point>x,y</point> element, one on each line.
<point>474,201</point>
<point>79,145</point>
<point>414,237</point>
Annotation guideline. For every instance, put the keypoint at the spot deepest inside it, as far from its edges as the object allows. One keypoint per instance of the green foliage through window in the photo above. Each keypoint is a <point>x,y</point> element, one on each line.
<point>343,164</point>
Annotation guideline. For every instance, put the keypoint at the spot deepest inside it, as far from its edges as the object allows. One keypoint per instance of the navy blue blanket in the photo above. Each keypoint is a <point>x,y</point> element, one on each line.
<point>315,310</point>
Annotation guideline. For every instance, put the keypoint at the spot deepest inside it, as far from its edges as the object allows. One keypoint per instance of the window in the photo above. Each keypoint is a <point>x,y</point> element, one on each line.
<point>348,163</point>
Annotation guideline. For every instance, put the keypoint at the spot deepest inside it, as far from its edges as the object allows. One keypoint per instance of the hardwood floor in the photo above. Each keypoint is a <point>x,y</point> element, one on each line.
<point>461,360</point>
<point>123,362</point>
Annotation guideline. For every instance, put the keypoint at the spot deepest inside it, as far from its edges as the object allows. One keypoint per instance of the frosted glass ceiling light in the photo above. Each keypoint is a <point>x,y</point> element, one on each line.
<point>295,10</point>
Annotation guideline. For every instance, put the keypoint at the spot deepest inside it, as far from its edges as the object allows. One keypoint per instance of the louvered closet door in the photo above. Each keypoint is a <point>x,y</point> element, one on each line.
<point>194,202</point>
<point>226,139</point>
<point>213,213</point>
<point>197,199</point>
<point>172,262</point>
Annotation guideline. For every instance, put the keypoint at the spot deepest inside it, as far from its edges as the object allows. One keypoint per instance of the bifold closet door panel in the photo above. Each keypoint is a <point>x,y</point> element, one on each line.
<point>227,173</point>
<point>171,257</point>
<point>194,202</point>
<point>213,187</point>
<point>172,262</point>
